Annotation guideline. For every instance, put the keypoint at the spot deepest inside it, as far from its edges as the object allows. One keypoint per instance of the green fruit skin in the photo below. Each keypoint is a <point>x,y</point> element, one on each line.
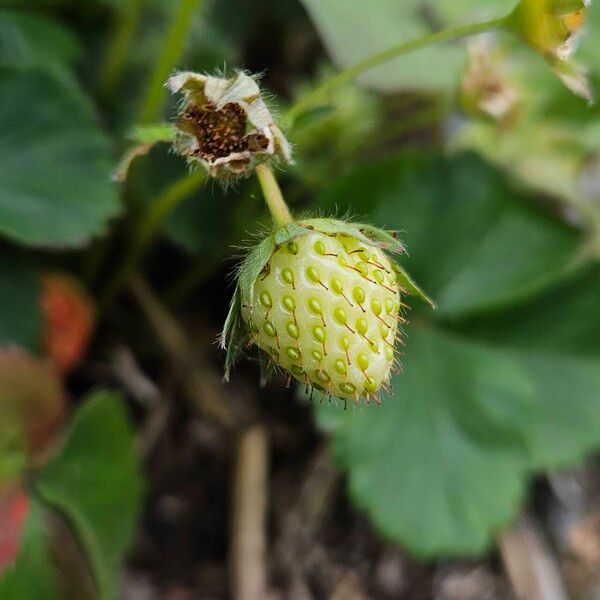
<point>325,309</point>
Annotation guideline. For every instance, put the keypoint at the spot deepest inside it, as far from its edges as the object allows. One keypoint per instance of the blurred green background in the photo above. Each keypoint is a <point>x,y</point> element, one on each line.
<point>120,461</point>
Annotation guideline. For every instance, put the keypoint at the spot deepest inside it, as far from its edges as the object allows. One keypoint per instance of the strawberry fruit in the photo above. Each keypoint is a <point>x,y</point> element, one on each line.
<point>322,300</point>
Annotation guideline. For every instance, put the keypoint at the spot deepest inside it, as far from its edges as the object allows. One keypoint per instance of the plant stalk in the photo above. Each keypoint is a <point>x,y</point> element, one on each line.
<point>149,226</point>
<point>126,22</point>
<point>347,75</point>
<point>170,54</point>
<point>273,197</point>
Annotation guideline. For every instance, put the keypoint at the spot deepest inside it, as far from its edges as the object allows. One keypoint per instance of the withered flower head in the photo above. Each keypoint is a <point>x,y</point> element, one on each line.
<point>224,124</point>
<point>487,87</point>
<point>553,28</point>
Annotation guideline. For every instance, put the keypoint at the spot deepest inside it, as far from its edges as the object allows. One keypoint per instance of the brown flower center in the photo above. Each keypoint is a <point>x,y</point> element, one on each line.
<point>220,132</point>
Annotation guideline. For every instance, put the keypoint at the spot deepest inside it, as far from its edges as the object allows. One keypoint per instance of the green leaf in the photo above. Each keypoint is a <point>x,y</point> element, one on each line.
<point>539,251</point>
<point>198,224</point>
<point>55,187</point>
<point>502,380</point>
<point>410,286</point>
<point>564,321</point>
<point>589,52</point>
<point>557,338</point>
<point>548,146</point>
<point>30,40</point>
<point>390,23</point>
<point>20,313</point>
<point>567,426</point>
<point>33,575</point>
<point>96,484</point>
<point>440,464</point>
<point>463,228</point>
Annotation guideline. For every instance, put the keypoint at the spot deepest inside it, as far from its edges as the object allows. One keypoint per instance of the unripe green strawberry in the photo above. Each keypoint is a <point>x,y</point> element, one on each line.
<point>322,299</point>
<point>325,311</point>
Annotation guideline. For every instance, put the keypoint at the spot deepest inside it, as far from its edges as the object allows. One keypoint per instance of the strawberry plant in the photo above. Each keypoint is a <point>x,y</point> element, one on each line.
<point>387,216</point>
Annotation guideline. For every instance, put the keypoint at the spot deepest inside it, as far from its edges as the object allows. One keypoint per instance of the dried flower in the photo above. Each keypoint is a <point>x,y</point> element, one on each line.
<point>487,87</point>
<point>225,125</point>
<point>553,28</point>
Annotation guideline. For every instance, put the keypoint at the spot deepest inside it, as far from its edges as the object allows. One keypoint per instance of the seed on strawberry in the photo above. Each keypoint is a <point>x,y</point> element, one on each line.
<point>325,310</point>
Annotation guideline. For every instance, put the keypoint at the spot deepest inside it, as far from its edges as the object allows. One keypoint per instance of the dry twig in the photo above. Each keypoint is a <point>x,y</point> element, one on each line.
<point>532,569</point>
<point>201,383</point>
<point>248,533</point>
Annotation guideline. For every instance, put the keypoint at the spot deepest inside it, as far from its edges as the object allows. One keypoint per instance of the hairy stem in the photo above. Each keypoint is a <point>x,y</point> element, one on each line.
<point>149,226</point>
<point>321,91</point>
<point>126,21</point>
<point>169,56</point>
<point>273,197</point>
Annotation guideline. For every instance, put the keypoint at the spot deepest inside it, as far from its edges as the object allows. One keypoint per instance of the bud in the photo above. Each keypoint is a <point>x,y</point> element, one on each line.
<point>487,87</point>
<point>322,300</point>
<point>224,124</point>
<point>552,28</point>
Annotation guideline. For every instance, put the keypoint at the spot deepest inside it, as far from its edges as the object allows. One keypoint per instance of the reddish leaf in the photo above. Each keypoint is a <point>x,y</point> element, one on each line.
<point>69,320</point>
<point>32,404</point>
<point>14,506</point>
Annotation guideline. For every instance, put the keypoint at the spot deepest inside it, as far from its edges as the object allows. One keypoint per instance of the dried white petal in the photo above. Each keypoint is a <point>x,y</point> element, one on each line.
<point>487,86</point>
<point>227,126</point>
<point>574,76</point>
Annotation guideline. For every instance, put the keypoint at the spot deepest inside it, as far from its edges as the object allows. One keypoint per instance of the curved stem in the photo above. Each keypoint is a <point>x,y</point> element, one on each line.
<point>359,68</point>
<point>164,205</point>
<point>170,53</point>
<point>148,228</point>
<point>122,37</point>
<point>273,197</point>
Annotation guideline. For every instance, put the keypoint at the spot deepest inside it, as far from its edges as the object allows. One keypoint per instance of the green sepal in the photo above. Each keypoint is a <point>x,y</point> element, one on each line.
<point>372,236</point>
<point>252,266</point>
<point>234,336</point>
<point>259,256</point>
<point>267,367</point>
<point>565,7</point>
<point>367,234</point>
<point>288,232</point>
<point>386,240</point>
<point>409,285</point>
